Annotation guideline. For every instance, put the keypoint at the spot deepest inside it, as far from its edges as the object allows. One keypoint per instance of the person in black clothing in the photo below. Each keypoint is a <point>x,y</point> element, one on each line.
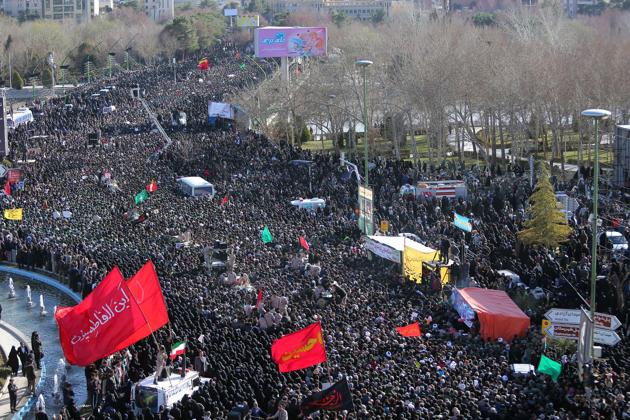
<point>445,246</point>
<point>13,361</point>
<point>12,395</point>
<point>36,345</point>
<point>22,353</point>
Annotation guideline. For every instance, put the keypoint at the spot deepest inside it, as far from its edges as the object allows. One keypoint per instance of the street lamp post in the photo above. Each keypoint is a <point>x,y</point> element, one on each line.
<point>596,114</point>
<point>364,64</point>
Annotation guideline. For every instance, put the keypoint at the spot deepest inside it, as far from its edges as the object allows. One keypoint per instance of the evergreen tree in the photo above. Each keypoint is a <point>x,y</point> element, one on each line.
<point>16,81</point>
<point>547,226</point>
<point>47,78</point>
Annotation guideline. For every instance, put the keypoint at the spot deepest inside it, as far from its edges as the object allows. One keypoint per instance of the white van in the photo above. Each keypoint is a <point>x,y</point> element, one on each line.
<point>195,186</point>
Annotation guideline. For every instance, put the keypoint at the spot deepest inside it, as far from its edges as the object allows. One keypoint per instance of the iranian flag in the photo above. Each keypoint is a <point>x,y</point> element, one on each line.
<point>177,349</point>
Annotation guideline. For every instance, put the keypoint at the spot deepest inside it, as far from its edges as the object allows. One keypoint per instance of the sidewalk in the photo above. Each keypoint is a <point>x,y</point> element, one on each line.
<point>6,341</point>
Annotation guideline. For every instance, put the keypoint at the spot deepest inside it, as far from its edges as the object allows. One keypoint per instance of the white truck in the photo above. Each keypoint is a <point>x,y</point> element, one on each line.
<point>146,394</point>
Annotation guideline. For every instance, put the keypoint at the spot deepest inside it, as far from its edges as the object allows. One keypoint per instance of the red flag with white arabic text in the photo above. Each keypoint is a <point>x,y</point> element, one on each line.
<point>115,315</point>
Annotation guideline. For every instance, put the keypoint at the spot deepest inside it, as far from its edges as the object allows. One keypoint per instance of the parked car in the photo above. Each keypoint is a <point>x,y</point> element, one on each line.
<point>538,293</point>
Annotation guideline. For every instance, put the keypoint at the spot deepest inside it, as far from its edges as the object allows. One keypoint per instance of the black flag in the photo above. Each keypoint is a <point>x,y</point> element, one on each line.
<point>335,398</point>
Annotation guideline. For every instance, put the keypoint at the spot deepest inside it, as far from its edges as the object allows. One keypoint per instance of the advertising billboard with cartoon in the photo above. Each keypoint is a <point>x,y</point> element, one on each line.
<point>281,41</point>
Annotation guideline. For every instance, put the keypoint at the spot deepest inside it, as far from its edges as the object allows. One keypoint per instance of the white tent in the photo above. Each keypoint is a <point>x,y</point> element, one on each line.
<point>392,247</point>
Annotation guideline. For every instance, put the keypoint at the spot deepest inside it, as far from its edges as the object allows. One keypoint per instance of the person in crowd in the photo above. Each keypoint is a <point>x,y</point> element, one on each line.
<point>22,353</point>
<point>13,361</point>
<point>12,395</point>
<point>38,352</point>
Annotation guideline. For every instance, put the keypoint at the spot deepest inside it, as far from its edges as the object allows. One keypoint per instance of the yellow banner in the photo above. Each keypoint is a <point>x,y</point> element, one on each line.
<point>13,214</point>
<point>412,262</point>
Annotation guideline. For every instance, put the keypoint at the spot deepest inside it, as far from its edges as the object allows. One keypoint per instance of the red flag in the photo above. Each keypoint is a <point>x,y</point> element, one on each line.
<point>259,298</point>
<point>147,293</point>
<point>152,186</point>
<point>115,315</point>
<point>7,188</point>
<point>304,244</point>
<point>203,64</point>
<point>225,200</point>
<point>300,349</point>
<point>411,330</point>
<point>206,173</point>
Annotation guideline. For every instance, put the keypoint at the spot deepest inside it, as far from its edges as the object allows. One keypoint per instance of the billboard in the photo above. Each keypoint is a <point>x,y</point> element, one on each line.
<point>230,12</point>
<point>4,137</point>
<point>251,21</point>
<point>282,41</point>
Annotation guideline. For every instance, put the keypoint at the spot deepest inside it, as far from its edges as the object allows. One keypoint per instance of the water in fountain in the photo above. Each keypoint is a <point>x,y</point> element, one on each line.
<point>27,321</point>
<point>29,298</point>
<point>11,289</point>
<point>42,308</point>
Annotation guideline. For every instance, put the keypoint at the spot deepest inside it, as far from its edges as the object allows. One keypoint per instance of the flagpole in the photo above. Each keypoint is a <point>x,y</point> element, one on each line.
<point>147,320</point>
<point>184,366</point>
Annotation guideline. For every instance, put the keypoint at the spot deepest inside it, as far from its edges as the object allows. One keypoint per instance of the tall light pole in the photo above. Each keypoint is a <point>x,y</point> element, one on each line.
<point>596,114</point>
<point>364,64</point>
<point>51,63</point>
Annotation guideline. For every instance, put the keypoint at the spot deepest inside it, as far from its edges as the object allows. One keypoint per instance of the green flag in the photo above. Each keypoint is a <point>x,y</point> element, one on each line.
<point>242,66</point>
<point>141,196</point>
<point>265,235</point>
<point>549,367</point>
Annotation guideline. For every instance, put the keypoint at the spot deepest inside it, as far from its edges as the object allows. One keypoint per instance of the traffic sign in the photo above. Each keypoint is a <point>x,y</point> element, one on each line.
<point>566,331</point>
<point>607,337</point>
<point>572,332</point>
<point>572,317</point>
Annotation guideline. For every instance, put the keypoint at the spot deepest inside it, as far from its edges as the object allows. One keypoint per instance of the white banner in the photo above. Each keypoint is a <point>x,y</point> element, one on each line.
<point>383,250</point>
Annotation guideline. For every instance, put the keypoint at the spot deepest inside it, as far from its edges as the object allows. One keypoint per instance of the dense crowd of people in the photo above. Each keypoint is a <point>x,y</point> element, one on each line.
<point>78,226</point>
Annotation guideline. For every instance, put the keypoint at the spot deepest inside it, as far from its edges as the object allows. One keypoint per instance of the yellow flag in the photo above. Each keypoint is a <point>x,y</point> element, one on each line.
<point>412,262</point>
<point>13,214</point>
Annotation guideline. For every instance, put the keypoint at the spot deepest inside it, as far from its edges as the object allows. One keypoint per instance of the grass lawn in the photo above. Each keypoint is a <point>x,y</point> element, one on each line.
<point>383,147</point>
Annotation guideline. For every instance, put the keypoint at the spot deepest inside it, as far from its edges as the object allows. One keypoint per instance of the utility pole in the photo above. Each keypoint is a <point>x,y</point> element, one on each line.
<point>597,115</point>
<point>174,71</point>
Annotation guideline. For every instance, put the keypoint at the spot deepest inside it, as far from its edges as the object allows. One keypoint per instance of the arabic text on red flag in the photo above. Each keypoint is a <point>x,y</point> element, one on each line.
<point>300,349</point>
<point>115,315</point>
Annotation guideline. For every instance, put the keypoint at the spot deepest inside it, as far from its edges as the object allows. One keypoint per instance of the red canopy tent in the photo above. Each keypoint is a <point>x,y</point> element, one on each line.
<point>498,314</point>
